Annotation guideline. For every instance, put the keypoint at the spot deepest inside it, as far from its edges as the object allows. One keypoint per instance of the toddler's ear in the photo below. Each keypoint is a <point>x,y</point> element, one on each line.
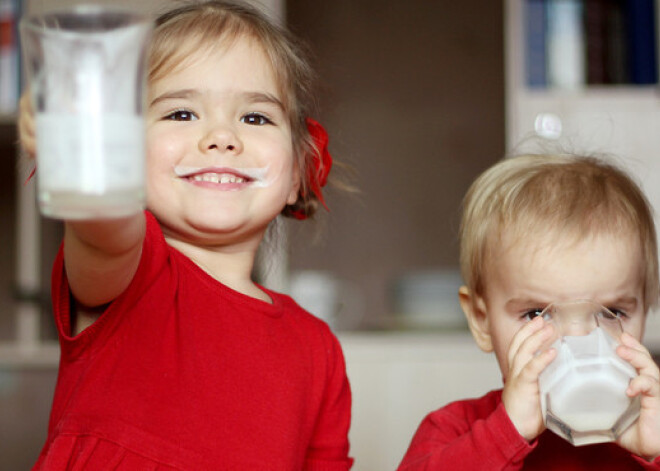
<point>475,311</point>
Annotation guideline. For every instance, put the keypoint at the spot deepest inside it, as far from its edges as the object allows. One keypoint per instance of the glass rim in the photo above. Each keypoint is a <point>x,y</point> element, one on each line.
<point>47,23</point>
<point>597,309</point>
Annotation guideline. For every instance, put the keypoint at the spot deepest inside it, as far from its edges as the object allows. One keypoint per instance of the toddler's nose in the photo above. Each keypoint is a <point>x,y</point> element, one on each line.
<point>577,328</point>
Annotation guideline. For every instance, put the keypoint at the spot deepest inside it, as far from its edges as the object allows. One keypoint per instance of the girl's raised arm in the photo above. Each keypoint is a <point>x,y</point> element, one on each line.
<point>101,257</point>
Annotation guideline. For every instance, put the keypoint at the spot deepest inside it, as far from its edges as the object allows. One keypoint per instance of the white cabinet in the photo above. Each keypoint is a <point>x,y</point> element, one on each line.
<point>398,378</point>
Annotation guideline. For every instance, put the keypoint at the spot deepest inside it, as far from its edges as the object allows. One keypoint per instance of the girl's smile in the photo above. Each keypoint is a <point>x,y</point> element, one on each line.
<point>224,178</point>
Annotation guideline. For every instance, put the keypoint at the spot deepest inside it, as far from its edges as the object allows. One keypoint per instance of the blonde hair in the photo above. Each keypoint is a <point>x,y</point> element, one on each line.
<point>200,26</point>
<point>531,195</point>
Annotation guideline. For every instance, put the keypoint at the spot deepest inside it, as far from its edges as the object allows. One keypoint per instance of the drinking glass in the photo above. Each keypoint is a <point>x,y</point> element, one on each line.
<point>583,390</point>
<point>86,68</point>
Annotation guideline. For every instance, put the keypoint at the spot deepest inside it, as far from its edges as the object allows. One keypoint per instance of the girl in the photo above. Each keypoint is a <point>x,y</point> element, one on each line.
<point>172,357</point>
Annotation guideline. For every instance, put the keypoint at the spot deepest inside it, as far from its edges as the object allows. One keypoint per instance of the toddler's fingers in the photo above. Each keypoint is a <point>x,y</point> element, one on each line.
<point>630,341</point>
<point>638,356</point>
<point>536,365</point>
<point>529,347</point>
<point>644,384</point>
<point>523,334</point>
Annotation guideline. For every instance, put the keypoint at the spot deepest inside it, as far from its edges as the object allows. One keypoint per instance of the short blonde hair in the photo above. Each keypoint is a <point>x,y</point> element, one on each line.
<point>578,196</point>
<point>204,25</point>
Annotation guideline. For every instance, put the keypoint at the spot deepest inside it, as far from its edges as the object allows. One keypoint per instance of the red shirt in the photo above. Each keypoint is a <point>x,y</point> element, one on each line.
<point>476,434</point>
<point>181,372</point>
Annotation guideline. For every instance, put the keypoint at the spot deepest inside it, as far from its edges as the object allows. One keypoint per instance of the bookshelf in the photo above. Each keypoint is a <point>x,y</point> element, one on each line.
<point>533,89</point>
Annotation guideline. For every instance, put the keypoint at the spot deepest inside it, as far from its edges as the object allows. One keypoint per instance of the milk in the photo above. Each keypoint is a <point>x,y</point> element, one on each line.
<point>90,166</point>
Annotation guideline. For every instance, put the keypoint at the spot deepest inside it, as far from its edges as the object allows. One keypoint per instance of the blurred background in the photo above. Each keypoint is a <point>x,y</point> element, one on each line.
<point>418,98</point>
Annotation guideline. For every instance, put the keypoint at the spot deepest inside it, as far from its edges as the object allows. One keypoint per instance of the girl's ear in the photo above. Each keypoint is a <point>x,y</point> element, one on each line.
<point>295,185</point>
<point>474,308</point>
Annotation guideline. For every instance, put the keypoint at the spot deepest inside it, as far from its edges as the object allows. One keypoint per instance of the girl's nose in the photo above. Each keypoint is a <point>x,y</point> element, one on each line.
<point>221,139</point>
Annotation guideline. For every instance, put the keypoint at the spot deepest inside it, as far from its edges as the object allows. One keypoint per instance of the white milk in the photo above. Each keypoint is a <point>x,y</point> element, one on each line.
<point>584,388</point>
<point>90,166</point>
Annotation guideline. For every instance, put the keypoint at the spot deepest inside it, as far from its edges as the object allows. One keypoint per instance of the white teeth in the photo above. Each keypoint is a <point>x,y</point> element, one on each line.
<point>215,178</point>
<point>257,176</point>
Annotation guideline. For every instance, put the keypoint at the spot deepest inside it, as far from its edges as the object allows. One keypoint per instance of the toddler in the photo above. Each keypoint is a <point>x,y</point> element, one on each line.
<point>172,357</point>
<point>538,229</point>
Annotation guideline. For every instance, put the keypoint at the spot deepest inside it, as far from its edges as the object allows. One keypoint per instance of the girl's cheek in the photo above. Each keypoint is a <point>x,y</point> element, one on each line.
<point>281,172</point>
<point>160,145</point>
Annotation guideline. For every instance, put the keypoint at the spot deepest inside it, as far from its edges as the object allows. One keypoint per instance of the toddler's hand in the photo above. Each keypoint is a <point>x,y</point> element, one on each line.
<point>26,129</point>
<point>521,395</point>
<point>643,437</point>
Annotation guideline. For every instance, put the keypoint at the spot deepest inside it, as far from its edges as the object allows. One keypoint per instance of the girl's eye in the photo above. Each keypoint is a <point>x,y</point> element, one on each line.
<point>181,115</point>
<point>255,119</point>
<point>532,313</point>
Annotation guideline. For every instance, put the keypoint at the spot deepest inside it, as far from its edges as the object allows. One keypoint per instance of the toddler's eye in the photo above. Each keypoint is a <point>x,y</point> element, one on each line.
<point>618,312</point>
<point>181,115</point>
<point>255,119</point>
<point>532,313</point>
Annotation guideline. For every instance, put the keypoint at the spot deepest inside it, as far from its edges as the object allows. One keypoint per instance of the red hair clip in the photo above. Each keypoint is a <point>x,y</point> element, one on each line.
<point>317,172</point>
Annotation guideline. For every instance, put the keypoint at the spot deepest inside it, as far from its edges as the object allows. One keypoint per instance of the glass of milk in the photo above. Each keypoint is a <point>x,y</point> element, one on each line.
<point>86,68</point>
<point>583,390</point>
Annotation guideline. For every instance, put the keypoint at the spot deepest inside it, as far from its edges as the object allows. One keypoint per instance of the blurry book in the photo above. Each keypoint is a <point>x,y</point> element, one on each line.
<point>641,41</point>
<point>595,32</point>
<point>9,73</point>
<point>535,47</point>
<point>565,44</point>
<point>616,49</point>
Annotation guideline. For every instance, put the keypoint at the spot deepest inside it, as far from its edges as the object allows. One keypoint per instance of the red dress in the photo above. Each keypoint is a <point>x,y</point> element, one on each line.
<point>182,373</point>
<point>477,434</point>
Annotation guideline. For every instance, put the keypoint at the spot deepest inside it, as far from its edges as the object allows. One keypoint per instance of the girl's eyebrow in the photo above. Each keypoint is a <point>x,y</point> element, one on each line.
<point>188,93</point>
<point>260,97</point>
<point>175,95</point>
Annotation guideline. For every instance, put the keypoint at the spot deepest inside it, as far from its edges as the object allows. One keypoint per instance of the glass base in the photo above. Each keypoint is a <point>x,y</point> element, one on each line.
<point>590,437</point>
<point>73,205</point>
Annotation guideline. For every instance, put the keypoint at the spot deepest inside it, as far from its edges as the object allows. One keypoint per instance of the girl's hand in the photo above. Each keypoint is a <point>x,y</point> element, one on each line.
<point>26,126</point>
<point>521,396</point>
<point>643,437</point>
